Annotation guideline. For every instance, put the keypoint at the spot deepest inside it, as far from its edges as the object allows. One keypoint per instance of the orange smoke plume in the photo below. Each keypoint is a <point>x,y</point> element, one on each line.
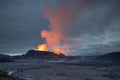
<point>59,19</point>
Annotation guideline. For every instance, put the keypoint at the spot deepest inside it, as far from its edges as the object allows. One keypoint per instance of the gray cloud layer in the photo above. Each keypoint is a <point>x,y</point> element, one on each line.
<point>96,30</point>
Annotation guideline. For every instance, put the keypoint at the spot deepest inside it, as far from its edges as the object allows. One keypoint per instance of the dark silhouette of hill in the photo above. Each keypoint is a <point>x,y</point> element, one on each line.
<point>113,56</point>
<point>5,58</point>
<point>34,54</point>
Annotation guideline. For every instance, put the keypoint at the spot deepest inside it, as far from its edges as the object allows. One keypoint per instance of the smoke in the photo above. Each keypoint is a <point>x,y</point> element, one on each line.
<point>61,18</point>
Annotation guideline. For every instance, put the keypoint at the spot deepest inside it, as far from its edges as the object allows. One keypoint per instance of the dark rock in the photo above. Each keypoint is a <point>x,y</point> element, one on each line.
<point>4,76</point>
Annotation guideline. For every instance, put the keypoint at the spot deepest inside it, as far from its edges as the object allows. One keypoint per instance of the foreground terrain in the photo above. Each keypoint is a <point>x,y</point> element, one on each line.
<point>61,70</point>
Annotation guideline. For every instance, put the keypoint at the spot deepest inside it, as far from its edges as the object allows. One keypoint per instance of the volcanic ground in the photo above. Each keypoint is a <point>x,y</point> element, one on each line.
<point>69,69</point>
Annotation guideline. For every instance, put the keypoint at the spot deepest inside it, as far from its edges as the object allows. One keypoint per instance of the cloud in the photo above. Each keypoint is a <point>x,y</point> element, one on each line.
<point>95,29</point>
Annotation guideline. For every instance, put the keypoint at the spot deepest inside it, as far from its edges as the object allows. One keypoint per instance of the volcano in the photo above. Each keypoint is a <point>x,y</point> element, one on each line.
<point>34,54</point>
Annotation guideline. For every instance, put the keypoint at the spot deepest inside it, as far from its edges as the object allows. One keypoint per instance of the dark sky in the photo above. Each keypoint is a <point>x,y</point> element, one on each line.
<point>96,30</point>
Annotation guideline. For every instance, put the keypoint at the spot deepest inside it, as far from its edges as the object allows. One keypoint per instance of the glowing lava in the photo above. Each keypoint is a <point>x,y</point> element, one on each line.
<point>58,51</point>
<point>42,47</point>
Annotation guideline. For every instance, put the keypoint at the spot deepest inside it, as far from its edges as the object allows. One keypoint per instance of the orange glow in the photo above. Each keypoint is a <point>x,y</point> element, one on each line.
<point>56,36</point>
<point>42,47</point>
<point>58,51</point>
